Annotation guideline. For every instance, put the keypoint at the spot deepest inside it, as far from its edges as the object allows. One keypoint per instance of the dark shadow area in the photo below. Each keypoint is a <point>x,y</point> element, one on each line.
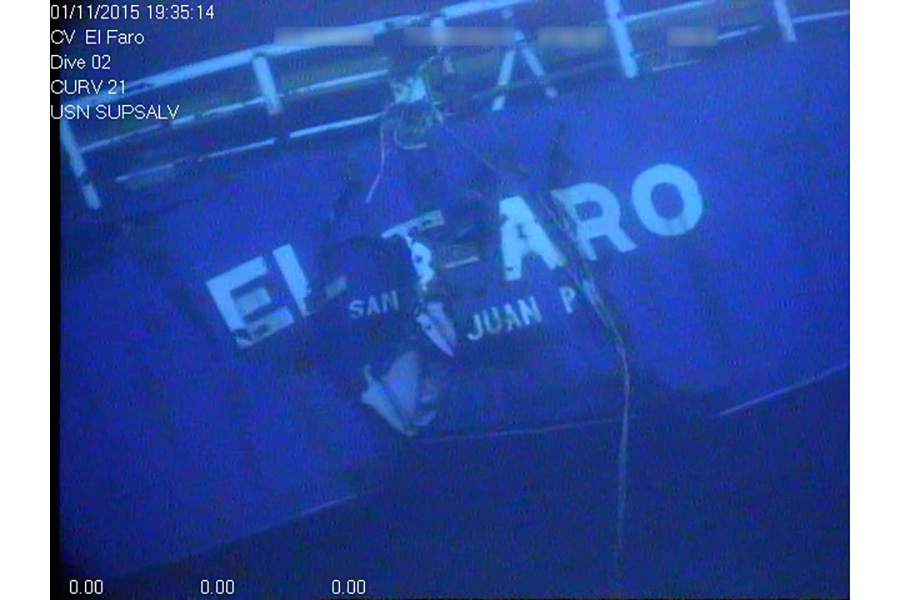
<point>748,506</point>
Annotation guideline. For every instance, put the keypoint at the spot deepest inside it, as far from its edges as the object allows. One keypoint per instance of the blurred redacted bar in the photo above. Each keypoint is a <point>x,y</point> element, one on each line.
<point>573,37</point>
<point>460,36</point>
<point>562,37</point>
<point>692,36</point>
<point>324,36</point>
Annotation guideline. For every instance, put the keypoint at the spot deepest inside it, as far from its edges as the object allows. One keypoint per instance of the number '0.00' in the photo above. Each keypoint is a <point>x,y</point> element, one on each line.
<point>86,587</point>
<point>349,587</point>
<point>218,587</point>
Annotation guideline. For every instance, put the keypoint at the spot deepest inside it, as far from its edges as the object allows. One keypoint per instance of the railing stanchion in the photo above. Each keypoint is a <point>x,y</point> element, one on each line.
<point>76,162</point>
<point>785,22</point>
<point>615,18</point>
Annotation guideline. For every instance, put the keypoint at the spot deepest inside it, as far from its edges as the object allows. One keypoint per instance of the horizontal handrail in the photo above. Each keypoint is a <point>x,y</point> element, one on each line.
<point>277,94</point>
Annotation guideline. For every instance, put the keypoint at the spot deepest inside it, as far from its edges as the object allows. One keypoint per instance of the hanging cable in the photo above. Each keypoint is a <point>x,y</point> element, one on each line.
<point>440,119</point>
<point>589,289</point>
<point>395,135</point>
<point>583,280</point>
<point>383,145</point>
<point>622,471</point>
<point>580,273</point>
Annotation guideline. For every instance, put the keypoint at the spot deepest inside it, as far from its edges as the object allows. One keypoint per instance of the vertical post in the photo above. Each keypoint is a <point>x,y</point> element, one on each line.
<point>506,66</point>
<point>439,23</point>
<point>785,22</point>
<point>615,18</point>
<point>531,59</point>
<point>76,162</point>
<point>504,78</point>
<point>266,83</point>
<point>534,63</point>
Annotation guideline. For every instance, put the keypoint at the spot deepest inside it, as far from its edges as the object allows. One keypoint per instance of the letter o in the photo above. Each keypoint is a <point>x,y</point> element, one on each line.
<point>691,200</point>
